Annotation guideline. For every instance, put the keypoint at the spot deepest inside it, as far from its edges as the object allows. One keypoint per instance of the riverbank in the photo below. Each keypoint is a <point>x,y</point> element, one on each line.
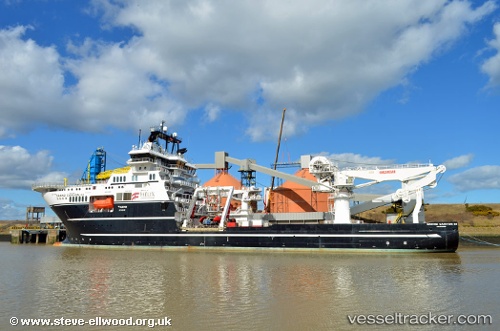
<point>469,224</point>
<point>475,230</point>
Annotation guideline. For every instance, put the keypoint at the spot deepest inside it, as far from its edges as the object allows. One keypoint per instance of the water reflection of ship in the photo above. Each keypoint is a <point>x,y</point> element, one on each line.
<point>299,279</point>
<point>322,287</point>
<point>419,278</point>
<point>421,284</point>
<point>100,275</point>
<point>103,280</point>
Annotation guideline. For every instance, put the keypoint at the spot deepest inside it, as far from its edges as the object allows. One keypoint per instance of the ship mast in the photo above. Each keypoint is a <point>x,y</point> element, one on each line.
<point>268,203</point>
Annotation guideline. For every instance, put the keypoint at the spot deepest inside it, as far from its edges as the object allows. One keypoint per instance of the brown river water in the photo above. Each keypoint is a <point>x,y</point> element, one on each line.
<point>125,289</point>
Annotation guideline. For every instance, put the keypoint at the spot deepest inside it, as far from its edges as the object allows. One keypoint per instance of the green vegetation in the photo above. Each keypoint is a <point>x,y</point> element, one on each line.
<point>481,210</point>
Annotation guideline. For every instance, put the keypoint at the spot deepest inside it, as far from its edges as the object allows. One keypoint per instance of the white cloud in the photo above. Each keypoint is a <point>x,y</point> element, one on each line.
<point>491,67</point>
<point>321,60</point>
<point>116,87</point>
<point>212,112</point>
<point>11,210</point>
<point>458,162</point>
<point>479,178</point>
<point>20,169</point>
<point>352,160</point>
<point>31,81</point>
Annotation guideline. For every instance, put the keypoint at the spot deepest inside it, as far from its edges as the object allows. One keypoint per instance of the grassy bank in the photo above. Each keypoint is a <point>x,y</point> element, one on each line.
<point>468,223</point>
<point>5,226</point>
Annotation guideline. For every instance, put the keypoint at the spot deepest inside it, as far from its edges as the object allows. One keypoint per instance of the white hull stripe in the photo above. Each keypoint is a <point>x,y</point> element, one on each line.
<point>266,235</point>
<point>121,218</point>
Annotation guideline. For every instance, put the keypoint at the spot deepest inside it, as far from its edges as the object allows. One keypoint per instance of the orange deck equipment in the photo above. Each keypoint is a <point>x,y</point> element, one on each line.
<point>104,203</point>
<point>294,198</point>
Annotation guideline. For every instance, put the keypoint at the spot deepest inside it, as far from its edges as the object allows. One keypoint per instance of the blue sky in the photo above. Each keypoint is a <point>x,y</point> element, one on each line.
<point>364,82</point>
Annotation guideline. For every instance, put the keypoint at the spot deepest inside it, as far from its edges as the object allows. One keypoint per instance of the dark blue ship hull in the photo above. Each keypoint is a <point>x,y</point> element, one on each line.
<point>433,237</point>
<point>125,227</point>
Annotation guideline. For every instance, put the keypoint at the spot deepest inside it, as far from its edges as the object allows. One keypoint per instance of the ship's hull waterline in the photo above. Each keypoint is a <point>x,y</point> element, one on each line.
<point>158,230</point>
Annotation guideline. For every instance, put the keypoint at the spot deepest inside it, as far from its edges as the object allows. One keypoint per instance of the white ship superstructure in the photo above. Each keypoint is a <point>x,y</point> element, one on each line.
<point>157,183</point>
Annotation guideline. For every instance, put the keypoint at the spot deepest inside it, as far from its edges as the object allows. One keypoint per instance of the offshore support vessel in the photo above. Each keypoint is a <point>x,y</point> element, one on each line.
<point>157,201</point>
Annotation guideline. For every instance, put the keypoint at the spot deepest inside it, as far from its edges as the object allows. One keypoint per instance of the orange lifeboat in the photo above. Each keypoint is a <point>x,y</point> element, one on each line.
<point>104,203</point>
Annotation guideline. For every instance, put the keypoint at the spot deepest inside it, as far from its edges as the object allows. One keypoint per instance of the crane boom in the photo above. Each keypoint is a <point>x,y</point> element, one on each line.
<point>413,178</point>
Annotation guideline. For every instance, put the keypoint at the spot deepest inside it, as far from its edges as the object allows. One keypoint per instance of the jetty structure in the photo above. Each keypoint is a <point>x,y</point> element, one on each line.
<point>38,228</point>
<point>157,200</point>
